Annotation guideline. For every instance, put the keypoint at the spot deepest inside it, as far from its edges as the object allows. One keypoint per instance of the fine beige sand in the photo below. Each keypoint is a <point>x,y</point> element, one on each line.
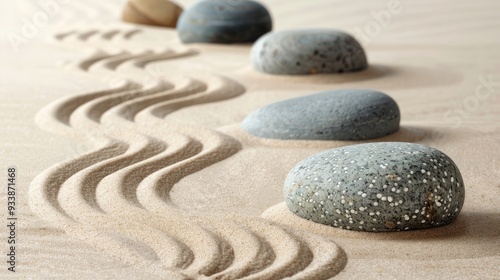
<point>131,163</point>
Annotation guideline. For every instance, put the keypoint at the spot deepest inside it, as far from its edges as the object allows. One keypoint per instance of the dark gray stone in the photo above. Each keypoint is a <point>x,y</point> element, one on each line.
<point>354,114</point>
<point>377,187</point>
<point>301,52</point>
<point>224,21</point>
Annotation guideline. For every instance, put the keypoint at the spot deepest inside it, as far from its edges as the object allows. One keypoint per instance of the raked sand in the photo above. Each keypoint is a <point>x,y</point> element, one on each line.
<point>131,162</point>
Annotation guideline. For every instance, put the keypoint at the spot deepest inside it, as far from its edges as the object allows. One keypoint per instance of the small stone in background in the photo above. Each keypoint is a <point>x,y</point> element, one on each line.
<point>152,12</point>
<point>303,52</point>
<point>224,22</point>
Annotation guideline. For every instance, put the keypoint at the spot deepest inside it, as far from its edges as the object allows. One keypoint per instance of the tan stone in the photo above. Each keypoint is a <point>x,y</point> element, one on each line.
<point>152,12</point>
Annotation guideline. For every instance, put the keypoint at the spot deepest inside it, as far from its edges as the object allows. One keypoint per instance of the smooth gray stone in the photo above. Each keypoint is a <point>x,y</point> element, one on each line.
<point>216,21</point>
<point>389,186</point>
<point>301,52</point>
<point>347,114</point>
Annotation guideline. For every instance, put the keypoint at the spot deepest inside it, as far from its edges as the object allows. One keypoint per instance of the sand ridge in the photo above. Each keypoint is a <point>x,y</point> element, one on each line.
<point>116,197</point>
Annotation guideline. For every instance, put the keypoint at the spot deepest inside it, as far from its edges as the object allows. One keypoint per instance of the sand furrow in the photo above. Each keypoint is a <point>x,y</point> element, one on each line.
<point>246,265</point>
<point>83,36</point>
<point>85,181</point>
<point>44,192</point>
<point>143,61</point>
<point>62,35</point>
<point>117,193</point>
<point>77,197</point>
<point>55,117</point>
<point>219,255</point>
<point>288,258</point>
<point>108,35</point>
<point>122,203</point>
<point>92,111</point>
<point>127,35</point>
<point>219,88</point>
<point>128,62</point>
<point>123,198</point>
<point>96,34</point>
<point>92,57</point>
<point>123,183</point>
<point>328,258</point>
<point>45,187</point>
<point>252,253</point>
<point>184,87</point>
<point>112,62</point>
<point>220,246</point>
<point>291,254</point>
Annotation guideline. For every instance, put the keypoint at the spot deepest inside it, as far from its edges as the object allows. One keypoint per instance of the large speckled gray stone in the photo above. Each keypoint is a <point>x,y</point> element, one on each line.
<point>377,187</point>
<point>301,52</point>
<point>216,21</point>
<point>354,114</point>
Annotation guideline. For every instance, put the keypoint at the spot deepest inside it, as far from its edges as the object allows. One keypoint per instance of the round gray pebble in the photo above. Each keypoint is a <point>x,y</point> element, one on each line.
<point>354,114</point>
<point>215,21</point>
<point>377,187</point>
<point>313,51</point>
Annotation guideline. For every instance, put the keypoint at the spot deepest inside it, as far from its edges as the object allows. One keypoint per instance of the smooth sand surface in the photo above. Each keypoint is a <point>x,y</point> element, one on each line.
<point>131,163</point>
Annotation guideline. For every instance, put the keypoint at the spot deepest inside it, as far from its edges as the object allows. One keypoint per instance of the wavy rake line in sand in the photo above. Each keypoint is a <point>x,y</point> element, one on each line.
<point>96,34</point>
<point>116,197</point>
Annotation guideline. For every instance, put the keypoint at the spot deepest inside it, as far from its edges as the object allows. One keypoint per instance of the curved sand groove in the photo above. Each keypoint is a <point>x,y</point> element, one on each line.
<point>127,35</point>
<point>289,258</point>
<point>108,35</point>
<point>43,200</point>
<point>93,57</point>
<point>45,187</point>
<point>134,60</point>
<point>57,178</point>
<point>93,110</point>
<point>217,246</point>
<point>86,35</point>
<point>96,34</point>
<point>62,35</point>
<point>141,62</point>
<point>82,187</point>
<point>126,193</point>
<point>127,62</point>
<point>113,61</point>
<point>123,182</point>
<point>330,263</point>
<point>114,164</point>
<point>219,89</point>
<point>77,197</point>
<point>185,87</point>
<point>291,254</point>
<point>55,117</point>
<point>222,252</point>
<point>216,263</point>
<point>239,271</point>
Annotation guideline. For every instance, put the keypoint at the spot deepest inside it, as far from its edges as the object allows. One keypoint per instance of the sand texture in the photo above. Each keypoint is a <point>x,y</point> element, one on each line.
<point>132,163</point>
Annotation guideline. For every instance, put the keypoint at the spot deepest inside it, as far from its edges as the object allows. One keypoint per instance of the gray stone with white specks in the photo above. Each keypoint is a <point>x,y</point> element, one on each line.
<point>347,114</point>
<point>310,51</point>
<point>389,186</point>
